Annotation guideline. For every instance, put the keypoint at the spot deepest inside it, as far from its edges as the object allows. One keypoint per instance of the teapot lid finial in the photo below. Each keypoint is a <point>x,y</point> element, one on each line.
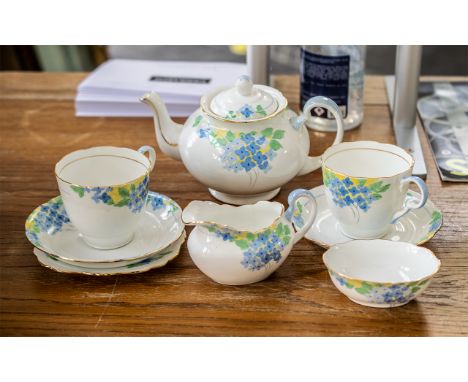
<point>245,101</point>
<point>244,86</point>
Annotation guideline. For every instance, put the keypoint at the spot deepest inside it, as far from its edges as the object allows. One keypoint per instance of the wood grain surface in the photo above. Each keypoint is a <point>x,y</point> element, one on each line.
<point>38,127</point>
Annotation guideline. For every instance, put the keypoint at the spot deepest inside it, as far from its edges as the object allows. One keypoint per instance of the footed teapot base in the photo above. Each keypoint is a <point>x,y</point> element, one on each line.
<point>239,200</point>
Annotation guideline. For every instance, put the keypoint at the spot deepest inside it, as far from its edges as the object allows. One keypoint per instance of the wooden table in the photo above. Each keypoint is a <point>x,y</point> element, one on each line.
<point>38,127</point>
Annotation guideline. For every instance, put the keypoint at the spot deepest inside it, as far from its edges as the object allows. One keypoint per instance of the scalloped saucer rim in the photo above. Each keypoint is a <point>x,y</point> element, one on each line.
<point>154,261</point>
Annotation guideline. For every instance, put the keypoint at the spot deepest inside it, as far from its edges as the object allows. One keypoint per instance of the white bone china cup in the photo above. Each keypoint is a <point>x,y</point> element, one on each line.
<point>104,191</point>
<point>366,185</point>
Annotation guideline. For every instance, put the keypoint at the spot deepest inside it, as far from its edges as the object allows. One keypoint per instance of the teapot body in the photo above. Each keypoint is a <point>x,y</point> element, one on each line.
<point>243,158</point>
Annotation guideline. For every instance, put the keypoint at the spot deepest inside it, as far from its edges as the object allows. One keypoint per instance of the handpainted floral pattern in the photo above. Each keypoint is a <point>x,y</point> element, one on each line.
<point>158,201</point>
<point>49,217</point>
<point>259,249</point>
<point>359,193</point>
<point>240,151</point>
<point>246,112</point>
<point>132,195</point>
<point>297,217</point>
<point>434,225</point>
<point>380,293</point>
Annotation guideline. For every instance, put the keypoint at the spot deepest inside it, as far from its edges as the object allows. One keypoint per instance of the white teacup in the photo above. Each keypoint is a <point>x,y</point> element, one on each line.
<point>366,185</point>
<point>104,191</point>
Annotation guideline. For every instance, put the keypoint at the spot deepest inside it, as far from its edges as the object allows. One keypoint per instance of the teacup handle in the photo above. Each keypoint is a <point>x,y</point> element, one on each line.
<point>152,155</point>
<point>313,163</point>
<point>419,203</point>
<point>292,208</point>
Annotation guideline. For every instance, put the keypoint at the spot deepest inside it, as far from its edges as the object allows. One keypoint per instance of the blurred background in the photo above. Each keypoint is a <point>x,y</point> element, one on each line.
<point>437,60</point>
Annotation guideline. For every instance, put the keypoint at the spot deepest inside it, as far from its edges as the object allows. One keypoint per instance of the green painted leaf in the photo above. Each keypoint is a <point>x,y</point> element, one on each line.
<point>242,244</point>
<point>230,136</point>
<point>362,182</point>
<point>267,132</point>
<point>79,190</point>
<point>250,236</point>
<point>375,187</point>
<point>286,230</point>
<point>260,110</point>
<point>275,145</point>
<point>279,229</point>
<point>123,192</point>
<point>197,120</point>
<point>221,141</point>
<point>299,207</point>
<point>278,134</point>
<point>415,289</point>
<point>384,188</point>
<point>210,228</point>
<point>365,288</point>
<point>123,202</point>
<point>286,239</point>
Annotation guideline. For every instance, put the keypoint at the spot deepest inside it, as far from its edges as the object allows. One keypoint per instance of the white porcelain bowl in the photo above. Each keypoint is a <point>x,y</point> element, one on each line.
<point>380,273</point>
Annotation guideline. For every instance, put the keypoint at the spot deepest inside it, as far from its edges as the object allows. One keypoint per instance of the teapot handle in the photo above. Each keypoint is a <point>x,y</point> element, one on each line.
<point>295,211</point>
<point>313,163</point>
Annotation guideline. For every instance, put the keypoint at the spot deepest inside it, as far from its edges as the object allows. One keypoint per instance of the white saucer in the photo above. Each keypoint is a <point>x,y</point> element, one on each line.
<point>49,229</point>
<point>155,261</point>
<point>416,227</point>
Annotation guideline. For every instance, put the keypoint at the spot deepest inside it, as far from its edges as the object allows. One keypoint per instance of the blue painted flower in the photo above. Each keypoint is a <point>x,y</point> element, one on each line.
<point>348,200</point>
<point>259,157</point>
<point>248,138</point>
<point>364,207</point>
<point>105,197</point>
<point>157,203</point>
<point>246,111</point>
<point>359,200</point>
<point>226,236</point>
<point>353,190</point>
<point>253,148</point>
<point>335,182</point>
<point>348,182</point>
<point>364,190</point>
<point>260,141</point>
<point>262,238</point>
<point>203,133</point>
<point>248,164</point>
<point>242,153</point>
<point>263,165</point>
<point>343,191</point>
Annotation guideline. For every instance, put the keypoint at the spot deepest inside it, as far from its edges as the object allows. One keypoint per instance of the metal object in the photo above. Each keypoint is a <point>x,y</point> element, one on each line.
<point>258,63</point>
<point>405,96</point>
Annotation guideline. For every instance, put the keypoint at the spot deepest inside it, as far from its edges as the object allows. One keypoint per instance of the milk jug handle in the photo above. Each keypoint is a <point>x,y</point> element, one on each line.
<point>295,211</point>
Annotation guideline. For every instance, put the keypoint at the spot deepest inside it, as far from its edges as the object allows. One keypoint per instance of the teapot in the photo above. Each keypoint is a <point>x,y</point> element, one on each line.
<point>243,142</point>
<point>243,245</point>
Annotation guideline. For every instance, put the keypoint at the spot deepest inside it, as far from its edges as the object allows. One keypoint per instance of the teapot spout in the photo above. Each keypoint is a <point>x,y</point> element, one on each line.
<point>167,131</point>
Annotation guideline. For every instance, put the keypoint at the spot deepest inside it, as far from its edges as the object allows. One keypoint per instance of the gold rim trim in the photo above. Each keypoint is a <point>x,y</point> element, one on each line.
<point>34,212</point>
<point>411,165</point>
<point>148,170</point>
<point>226,226</point>
<point>112,274</point>
<point>384,282</point>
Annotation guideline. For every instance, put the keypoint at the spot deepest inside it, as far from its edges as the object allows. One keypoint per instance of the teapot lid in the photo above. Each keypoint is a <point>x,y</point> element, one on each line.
<point>245,102</point>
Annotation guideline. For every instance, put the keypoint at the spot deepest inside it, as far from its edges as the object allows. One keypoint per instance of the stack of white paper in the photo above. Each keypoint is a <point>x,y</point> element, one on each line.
<point>114,88</point>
